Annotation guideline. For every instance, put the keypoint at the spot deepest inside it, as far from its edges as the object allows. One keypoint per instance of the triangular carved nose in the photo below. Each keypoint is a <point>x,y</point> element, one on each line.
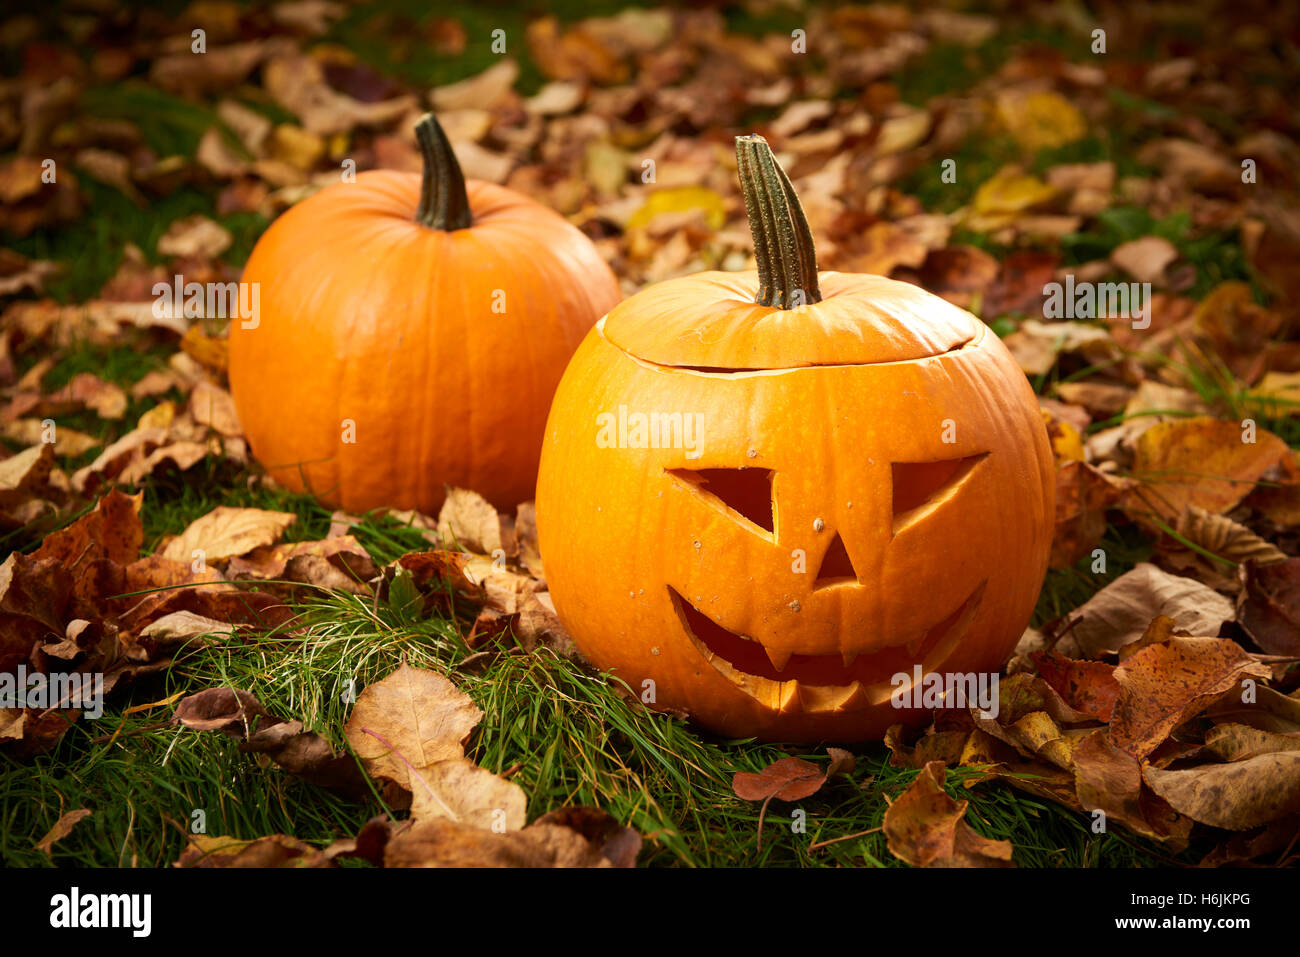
<point>836,568</point>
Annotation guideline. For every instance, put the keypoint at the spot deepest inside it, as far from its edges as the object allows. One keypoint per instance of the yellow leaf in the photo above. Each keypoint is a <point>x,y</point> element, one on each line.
<point>1280,390</point>
<point>204,349</point>
<point>1011,192</point>
<point>1067,444</point>
<point>159,417</point>
<point>681,200</point>
<point>1041,120</point>
<point>1203,462</point>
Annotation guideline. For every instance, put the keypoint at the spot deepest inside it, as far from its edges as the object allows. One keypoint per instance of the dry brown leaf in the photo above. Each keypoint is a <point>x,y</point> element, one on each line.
<point>482,91</point>
<point>270,561</point>
<point>195,236</point>
<point>1235,796</point>
<point>1203,462</point>
<point>221,709</point>
<point>883,248</point>
<point>436,842</point>
<point>1278,838</point>
<point>1083,495</point>
<point>251,127</point>
<point>1268,605</point>
<point>299,752</point>
<point>25,473</point>
<point>1236,742</point>
<point>111,169</point>
<point>226,532</point>
<point>798,116</point>
<point>926,828</point>
<point>787,779</point>
<point>539,626</point>
<point>461,791</point>
<point>1119,613</point>
<point>1166,684</point>
<point>105,399</point>
<point>220,68</point>
<point>1222,536</point>
<point>1147,259</point>
<point>572,54</point>
<point>1036,345</point>
<point>183,455</point>
<point>68,443</point>
<point>212,406</point>
<point>62,827</point>
<point>1270,711</point>
<point>180,626</point>
<point>130,449</point>
<point>408,721</point>
<point>470,521</point>
<point>297,83</point>
<point>1109,779</point>
<point>274,850</point>
<point>1101,399</point>
<point>113,531</point>
<point>1086,686</point>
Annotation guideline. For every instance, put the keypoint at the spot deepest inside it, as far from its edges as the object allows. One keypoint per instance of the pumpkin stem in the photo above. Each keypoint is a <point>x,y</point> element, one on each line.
<point>783,244</point>
<point>443,201</point>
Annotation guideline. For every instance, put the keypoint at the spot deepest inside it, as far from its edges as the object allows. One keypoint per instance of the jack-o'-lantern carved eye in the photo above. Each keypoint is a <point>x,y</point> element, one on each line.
<point>744,493</point>
<point>922,487</point>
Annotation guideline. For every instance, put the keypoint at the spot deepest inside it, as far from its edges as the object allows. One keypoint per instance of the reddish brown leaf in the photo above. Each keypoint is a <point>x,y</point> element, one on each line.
<point>112,531</point>
<point>1164,685</point>
<point>1087,686</point>
<point>788,779</point>
<point>1268,607</point>
<point>1109,779</point>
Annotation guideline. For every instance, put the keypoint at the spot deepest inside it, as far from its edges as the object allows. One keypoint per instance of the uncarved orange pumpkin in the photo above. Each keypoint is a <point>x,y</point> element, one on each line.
<point>761,509</point>
<point>411,333</point>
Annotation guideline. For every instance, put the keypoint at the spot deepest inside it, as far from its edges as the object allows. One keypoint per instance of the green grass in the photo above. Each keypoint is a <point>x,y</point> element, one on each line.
<point>1217,255</point>
<point>1065,589</point>
<point>169,124</point>
<point>391,37</point>
<point>92,249</point>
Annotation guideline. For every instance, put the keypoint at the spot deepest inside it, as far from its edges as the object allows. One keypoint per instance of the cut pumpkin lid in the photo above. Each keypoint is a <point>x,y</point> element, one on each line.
<point>710,322</point>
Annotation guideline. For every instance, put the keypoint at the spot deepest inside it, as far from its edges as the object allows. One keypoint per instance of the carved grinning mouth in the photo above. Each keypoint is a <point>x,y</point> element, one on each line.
<point>821,682</point>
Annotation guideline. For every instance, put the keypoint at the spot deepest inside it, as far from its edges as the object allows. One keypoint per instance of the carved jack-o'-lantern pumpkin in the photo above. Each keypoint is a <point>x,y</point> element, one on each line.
<point>763,511</point>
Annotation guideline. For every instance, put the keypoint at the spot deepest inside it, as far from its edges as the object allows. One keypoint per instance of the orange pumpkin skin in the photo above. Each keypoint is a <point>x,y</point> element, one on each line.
<point>371,319</point>
<point>843,402</point>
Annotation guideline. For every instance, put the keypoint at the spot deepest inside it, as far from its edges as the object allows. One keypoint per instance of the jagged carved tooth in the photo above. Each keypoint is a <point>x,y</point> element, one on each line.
<point>849,657</point>
<point>791,698</point>
<point>778,657</point>
<point>857,699</point>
